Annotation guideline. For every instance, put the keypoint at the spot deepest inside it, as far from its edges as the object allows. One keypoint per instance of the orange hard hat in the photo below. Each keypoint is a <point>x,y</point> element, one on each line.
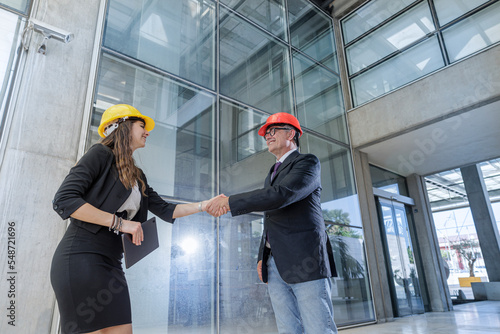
<point>280,118</point>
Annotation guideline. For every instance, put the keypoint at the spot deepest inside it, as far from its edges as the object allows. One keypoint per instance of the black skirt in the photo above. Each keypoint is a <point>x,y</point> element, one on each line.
<point>89,282</point>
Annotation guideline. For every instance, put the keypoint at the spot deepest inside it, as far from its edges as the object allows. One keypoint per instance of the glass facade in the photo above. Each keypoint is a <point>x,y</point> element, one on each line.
<point>210,73</point>
<point>391,43</point>
<point>11,28</point>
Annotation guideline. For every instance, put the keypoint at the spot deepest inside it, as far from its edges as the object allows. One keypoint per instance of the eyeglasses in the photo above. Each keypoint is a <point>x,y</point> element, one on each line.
<point>272,131</point>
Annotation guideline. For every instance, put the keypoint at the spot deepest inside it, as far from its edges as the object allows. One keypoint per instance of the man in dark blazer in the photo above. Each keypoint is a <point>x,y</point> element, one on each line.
<point>295,255</point>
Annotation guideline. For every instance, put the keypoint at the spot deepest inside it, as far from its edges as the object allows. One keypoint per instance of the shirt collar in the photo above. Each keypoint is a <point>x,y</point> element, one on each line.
<point>282,159</point>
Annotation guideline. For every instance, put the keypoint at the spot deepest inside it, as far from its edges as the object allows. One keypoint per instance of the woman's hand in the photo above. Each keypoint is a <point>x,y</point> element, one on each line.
<point>135,229</point>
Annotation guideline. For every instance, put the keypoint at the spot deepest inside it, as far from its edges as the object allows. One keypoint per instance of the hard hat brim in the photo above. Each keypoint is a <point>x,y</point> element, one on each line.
<point>263,128</point>
<point>148,121</point>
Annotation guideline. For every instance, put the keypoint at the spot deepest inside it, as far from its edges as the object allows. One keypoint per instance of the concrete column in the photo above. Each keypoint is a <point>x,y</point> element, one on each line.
<point>484,220</point>
<point>39,147</point>
<point>373,239</point>
<point>434,280</point>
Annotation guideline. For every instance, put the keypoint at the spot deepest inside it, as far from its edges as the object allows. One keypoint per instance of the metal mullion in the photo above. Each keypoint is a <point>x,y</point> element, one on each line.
<point>153,69</point>
<point>14,11</point>
<point>217,147</point>
<point>442,46</point>
<point>315,61</point>
<point>292,72</point>
<point>468,14</point>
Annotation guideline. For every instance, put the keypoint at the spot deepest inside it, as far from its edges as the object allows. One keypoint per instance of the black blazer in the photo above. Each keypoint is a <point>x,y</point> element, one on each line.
<point>94,180</point>
<point>293,220</point>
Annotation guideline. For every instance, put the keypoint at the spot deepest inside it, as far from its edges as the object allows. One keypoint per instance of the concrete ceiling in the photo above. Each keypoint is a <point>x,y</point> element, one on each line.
<point>467,138</point>
<point>338,8</point>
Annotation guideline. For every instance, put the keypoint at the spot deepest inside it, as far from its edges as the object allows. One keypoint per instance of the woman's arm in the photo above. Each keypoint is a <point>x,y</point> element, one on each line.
<point>91,214</point>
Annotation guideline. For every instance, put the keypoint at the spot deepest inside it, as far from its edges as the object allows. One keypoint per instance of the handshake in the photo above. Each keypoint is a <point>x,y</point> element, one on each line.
<point>216,206</point>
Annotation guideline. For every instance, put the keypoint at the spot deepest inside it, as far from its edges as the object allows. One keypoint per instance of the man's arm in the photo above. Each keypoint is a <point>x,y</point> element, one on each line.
<point>301,180</point>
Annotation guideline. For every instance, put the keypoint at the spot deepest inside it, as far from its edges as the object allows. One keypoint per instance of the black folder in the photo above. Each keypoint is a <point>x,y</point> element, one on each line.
<point>133,253</point>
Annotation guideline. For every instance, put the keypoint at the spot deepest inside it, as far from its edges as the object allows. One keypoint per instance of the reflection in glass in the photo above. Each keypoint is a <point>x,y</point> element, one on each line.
<point>405,67</point>
<point>254,68</point>
<point>448,10</point>
<point>178,157</point>
<point>352,301</point>
<point>406,29</point>
<point>311,31</point>
<point>173,289</point>
<point>244,300</point>
<point>343,211</point>
<point>10,29</point>
<point>269,14</point>
<point>474,33</point>
<point>245,161</point>
<point>176,36</point>
<point>369,16</point>
<point>319,99</point>
<point>19,5</point>
<point>337,178</point>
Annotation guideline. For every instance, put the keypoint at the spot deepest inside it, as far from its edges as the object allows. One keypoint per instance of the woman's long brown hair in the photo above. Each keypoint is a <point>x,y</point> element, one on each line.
<point>119,142</point>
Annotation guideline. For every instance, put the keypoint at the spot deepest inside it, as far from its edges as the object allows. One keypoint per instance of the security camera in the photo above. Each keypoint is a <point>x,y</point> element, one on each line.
<point>49,31</point>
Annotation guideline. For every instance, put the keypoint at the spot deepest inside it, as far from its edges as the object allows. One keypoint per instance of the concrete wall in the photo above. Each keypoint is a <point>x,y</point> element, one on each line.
<point>373,240</point>
<point>40,146</point>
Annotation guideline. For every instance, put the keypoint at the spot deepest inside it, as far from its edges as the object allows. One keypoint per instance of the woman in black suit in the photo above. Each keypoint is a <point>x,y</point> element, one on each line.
<point>105,194</point>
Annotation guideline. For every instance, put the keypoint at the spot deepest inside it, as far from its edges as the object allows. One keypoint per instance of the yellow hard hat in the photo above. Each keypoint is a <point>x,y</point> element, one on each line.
<point>122,111</point>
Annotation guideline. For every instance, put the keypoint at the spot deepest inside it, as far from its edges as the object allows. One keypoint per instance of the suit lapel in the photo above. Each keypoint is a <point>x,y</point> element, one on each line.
<point>268,178</point>
<point>285,163</point>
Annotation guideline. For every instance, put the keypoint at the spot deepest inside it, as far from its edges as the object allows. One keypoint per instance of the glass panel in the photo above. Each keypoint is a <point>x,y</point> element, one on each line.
<point>337,178</point>
<point>269,14</point>
<point>178,158</point>
<point>176,36</point>
<point>245,161</point>
<point>352,302</point>
<point>396,261</point>
<point>320,105</point>
<point>388,181</point>
<point>448,10</point>
<point>254,68</point>
<point>173,289</point>
<point>474,33</point>
<point>11,27</point>
<point>311,32</point>
<point>369,16</point>
<point>408,66</point>
<point>406,29</point>
<point>245,306</point>
<point>20,5</point>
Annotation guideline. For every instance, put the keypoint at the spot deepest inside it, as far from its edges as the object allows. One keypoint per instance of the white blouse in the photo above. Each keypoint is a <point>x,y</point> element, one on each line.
<point>133,203</point>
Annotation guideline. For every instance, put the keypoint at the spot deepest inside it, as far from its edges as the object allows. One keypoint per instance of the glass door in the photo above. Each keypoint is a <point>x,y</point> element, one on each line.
<point>402,271</point>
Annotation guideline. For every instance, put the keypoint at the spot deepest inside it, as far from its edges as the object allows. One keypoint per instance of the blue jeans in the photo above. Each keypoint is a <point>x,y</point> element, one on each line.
<point>301,307</point>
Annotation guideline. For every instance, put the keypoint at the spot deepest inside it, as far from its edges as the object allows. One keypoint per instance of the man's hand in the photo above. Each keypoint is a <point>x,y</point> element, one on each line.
<point>218,206</point>
<point>259,269</point>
